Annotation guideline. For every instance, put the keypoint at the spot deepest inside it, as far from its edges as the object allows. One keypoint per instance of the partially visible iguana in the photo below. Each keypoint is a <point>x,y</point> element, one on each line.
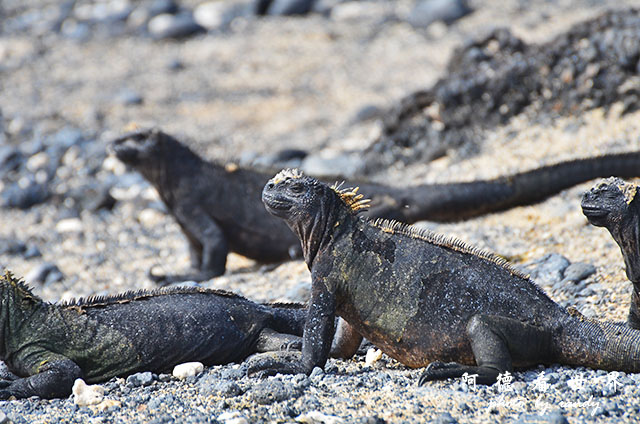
<point>50,345</point>
<point>218,207</point>
<point>615,205</point>
<point>423,298</point>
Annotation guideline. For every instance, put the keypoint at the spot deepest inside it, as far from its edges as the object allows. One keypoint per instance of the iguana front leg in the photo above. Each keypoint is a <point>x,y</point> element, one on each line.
<point>54,380</point>
<point>316,341</point>
<point>495,342</point>
<point>207,244</point>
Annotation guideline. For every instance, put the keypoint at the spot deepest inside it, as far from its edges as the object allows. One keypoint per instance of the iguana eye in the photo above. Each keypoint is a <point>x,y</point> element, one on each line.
<point>297,188</point>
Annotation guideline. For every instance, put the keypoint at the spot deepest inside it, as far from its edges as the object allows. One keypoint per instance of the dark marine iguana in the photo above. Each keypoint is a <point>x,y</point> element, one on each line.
<point>51,345</point>
<point>615,205</point>
<point>218,207</point>
<point>423,298</point>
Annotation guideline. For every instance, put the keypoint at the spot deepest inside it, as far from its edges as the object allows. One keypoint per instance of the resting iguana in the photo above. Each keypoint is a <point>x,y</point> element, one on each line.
<point>423,298</point>
<point>50,345</point>
<point>614,204</point>
<point>218,207</point>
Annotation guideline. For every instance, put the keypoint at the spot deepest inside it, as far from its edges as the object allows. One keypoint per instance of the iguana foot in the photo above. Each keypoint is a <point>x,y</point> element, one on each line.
<point>263,365</point>
<point>441,371</point>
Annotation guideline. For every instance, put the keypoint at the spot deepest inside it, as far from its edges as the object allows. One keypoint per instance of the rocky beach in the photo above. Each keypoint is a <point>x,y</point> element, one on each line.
<point>264,90</point>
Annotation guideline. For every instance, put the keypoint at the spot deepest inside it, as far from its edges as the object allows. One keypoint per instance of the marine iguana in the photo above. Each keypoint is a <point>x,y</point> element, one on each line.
<point>423,298</point>
<point>218,207</point>
<point>614,205</point>
<point>50,345</point>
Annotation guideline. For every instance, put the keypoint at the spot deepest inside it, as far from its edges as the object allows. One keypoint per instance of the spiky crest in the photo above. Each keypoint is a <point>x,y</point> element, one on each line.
<point>285,305</point>
<point>132,295</point>
<point>18,286</point>
<point>292,173</point>
<point>395,227</point>
<point>350,197</point>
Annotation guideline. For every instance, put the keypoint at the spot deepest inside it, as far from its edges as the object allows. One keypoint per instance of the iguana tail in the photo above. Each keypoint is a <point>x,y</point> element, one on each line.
<point>456,201</point>
<point>288,318</point>
<point>599,345</point>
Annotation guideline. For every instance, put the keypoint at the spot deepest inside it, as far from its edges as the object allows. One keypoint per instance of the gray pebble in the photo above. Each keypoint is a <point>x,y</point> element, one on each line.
<point>425,12</point>
<point>159,7</point>
<point>129,98</point>
<point>367,113</point>
<point>445,418</point>
<point>24,194</point>
<point>40,274</point>
<point>140,379</point>
<point>270,391</point>
<point>232,374</point>
<point>554,417</point>
<point>290,7</point>
<point>549,269</point>
<point>173,26</point>
<point>578,271</point>
<point>10,246</point>
<point>225,388</point>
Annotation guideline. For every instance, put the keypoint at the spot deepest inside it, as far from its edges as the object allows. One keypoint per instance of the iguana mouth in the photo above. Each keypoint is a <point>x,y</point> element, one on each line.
<point>595,215</point>
<point>594,211</point>
<point>276,206</point>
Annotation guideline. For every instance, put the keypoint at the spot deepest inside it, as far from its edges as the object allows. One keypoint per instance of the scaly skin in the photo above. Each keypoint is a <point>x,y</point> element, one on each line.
<point>423,298</point>
<point>614,205</point>
<point>50,345</point>
<point>218,208</point>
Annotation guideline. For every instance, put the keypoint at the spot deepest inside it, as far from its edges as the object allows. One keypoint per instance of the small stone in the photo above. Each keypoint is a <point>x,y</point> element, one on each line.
<point>106,404</point>
<point>140,379</point>
<point>129,98</point>
<point>270,391</point>
<point>32,252</point>
<point>85,395</point>
<point>173,26</point>
<point>24,194</point>
<point>578,271</point>
<point>69,225</point>
<point>188,369</point>
<point>317,417</point>
<point>159,7</point>
<point>39,274</point>
<point>316,372</point>
<point>213,14</point>
<point>150,217</point>
<point>227,389</point>
<point>373,356</point>
<point>290,7</point>
<point>554,417</point>
<point>367,113</point>
<point>426,12</point>
<point>232,417</point>
<point>549,269</point>
<point>10,246</point>
<point>445,418</point>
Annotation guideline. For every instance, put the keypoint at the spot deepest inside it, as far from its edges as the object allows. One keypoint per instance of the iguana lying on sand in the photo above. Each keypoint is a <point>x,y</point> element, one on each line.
<point>423,298</point>
<point>218,208</point>
<point>50,345</point>
<point>615,205</point>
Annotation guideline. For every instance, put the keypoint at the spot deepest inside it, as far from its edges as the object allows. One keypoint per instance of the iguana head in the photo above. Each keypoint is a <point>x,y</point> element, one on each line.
<point>613,204</point>
<point>609,201</point>
<point>141,146</point>
<point>311,208</point>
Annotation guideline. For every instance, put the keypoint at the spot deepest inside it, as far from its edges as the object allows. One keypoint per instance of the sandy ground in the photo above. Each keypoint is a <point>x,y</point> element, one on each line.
<point>277,83</point>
